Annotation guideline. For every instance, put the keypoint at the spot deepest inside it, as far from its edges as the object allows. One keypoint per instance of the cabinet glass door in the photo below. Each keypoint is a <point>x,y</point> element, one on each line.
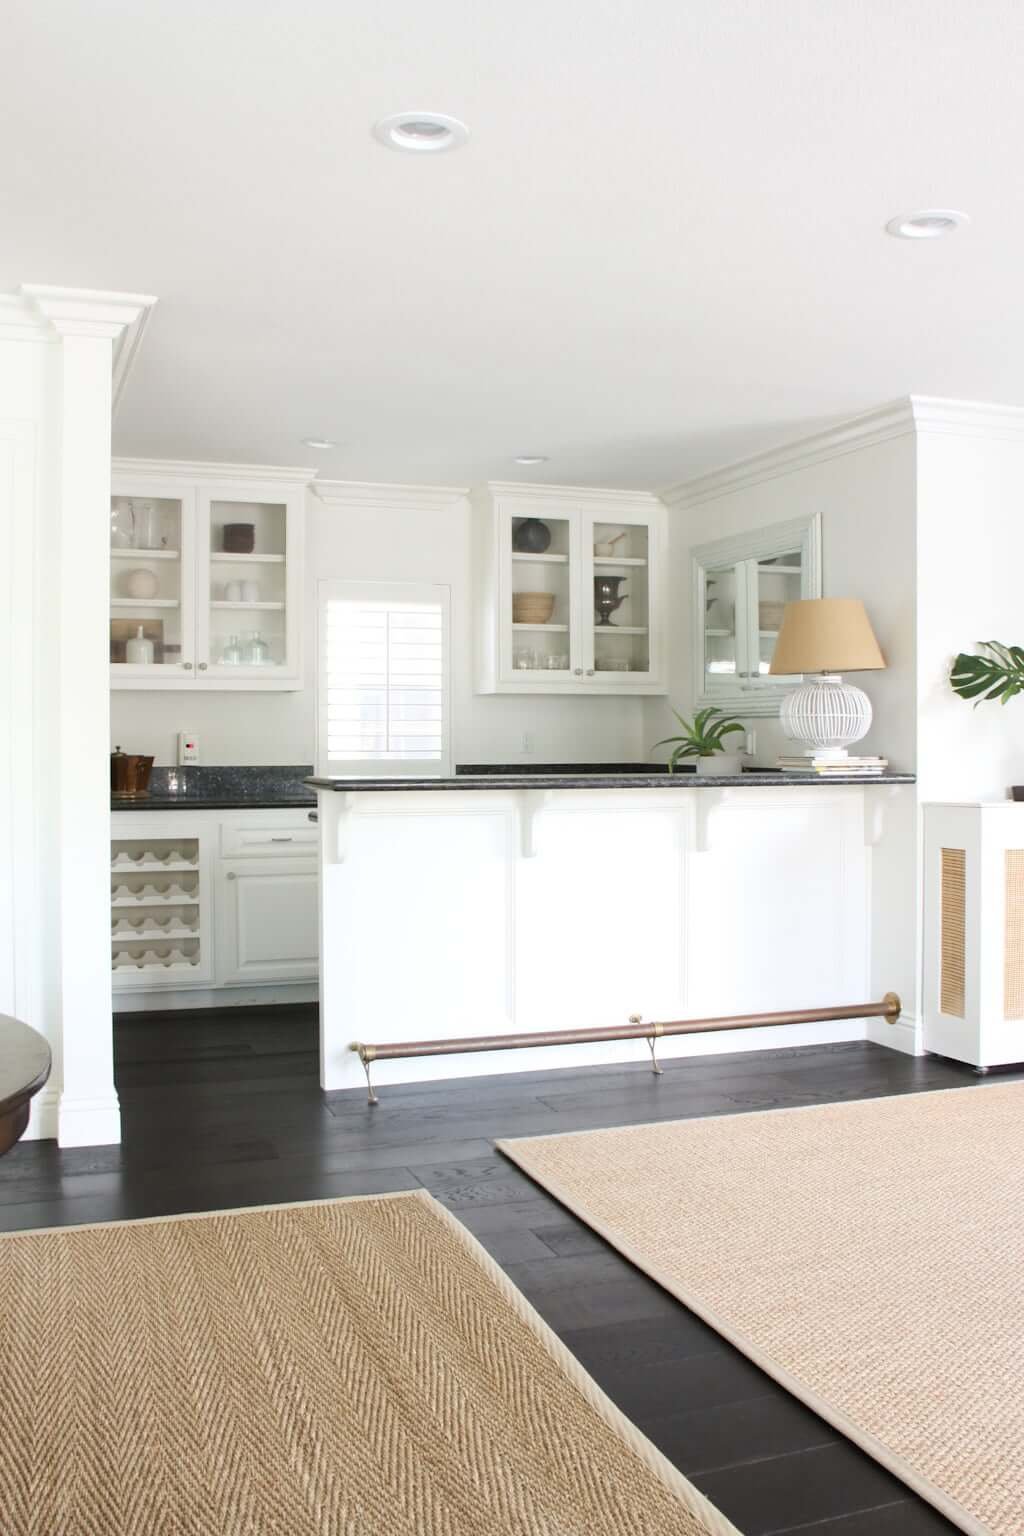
<point>775,581</point>
<point>725,650</point>
<point>620,556</point>
<point>244,588</point>
<point>540,555</point>
<point>150,612</point>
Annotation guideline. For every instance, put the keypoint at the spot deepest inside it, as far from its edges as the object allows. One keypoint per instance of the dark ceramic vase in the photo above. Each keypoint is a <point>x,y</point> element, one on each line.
<point>607,597</point>
<point>532,537</point>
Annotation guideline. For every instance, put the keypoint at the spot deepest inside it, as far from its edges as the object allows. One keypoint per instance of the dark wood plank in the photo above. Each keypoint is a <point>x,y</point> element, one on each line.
<point>242,1085</point>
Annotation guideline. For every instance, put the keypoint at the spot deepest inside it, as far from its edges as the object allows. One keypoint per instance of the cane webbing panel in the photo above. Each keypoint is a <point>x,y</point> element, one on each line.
<point>953,941</point>
<point>1013,952</point>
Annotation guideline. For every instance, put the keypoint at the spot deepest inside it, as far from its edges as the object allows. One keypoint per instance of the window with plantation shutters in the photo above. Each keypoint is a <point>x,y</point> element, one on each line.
<point>383,679</point>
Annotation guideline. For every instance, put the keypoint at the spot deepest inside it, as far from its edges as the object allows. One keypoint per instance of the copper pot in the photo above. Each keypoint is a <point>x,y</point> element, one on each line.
<point>129,775</point>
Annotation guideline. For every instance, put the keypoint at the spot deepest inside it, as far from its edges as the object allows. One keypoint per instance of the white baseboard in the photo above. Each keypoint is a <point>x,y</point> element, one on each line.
<point>42,1119</point>
<point>901,1036</point>
<point>216,997</point>
<point>89,1122</point>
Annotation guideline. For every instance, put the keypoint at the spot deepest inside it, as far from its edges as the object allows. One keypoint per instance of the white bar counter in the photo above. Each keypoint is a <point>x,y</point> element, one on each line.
<point>500,903</point>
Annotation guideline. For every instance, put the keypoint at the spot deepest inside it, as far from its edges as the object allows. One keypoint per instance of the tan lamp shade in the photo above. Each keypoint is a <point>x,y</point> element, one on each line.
<point>826,634</point>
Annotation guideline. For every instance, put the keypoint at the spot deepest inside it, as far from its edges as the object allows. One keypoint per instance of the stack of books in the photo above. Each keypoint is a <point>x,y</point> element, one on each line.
<point>851,767</point>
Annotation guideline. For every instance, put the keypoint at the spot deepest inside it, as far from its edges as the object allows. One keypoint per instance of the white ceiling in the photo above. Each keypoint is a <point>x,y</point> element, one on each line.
<point>661,250</point>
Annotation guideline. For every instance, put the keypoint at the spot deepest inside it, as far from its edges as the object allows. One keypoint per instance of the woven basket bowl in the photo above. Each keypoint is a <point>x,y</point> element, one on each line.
<point>532,607</point>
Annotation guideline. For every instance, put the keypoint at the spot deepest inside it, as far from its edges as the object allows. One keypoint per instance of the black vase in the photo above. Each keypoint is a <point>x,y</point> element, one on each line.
<point>531,537</point>
<point>607,597</point>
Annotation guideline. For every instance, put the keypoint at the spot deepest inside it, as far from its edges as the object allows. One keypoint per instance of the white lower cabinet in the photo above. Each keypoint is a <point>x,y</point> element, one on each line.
<point>266,920</point>
<point>209,899</point>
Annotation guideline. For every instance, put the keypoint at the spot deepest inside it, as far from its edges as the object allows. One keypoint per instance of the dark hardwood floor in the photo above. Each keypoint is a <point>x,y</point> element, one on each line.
<point>224,1110</point>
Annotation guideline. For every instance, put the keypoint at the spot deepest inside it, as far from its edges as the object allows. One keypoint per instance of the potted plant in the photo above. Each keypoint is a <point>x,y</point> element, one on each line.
<point>703,737</point>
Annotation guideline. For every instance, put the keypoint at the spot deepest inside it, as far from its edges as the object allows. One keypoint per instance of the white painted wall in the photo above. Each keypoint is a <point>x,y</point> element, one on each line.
<point>386,542</point>
<point>970,577</point>
<point>867,496</point>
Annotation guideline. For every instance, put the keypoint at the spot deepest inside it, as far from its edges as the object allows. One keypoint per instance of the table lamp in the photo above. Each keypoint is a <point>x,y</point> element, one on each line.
<point>828,636</point>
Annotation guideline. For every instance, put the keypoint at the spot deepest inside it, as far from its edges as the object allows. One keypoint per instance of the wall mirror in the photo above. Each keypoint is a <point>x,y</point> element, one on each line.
<point>740,587</point>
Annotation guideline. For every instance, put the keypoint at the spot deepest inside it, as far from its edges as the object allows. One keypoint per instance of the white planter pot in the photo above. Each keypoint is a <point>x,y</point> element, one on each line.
<point>723,764</point>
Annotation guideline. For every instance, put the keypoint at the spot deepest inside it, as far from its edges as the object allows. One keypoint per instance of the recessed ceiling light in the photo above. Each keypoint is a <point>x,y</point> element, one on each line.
<point>530,458</point>
<point>318,442</point>
<point>421,133</point>
<point>927,223</point>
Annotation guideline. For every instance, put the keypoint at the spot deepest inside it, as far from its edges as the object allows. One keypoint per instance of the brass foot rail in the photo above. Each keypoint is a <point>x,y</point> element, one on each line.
<point>636,1029</point>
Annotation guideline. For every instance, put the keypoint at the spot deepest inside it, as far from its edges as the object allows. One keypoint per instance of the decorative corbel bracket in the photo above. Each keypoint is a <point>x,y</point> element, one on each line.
<point>706,802</point>
<point>531,803</point>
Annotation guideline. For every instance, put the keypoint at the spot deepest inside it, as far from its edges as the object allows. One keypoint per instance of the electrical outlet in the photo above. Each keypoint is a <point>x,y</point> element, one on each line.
<point>188,748</point>
<point>527,742</point>
<point>751,743</point>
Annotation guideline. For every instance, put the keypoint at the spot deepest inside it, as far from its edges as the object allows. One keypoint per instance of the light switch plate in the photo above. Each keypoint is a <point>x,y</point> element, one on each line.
<point>188,748</point>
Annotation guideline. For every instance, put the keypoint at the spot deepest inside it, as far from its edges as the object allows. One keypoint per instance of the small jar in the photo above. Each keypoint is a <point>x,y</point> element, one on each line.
<point>231,655</point>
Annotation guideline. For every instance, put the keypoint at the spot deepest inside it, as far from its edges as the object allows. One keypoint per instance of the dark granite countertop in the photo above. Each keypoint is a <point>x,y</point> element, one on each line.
<point>602,778</point>
<point>199,788</point>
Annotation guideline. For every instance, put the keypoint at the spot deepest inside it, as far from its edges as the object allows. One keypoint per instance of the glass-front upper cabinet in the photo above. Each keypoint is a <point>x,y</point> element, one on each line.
<point>741,586</point>
<point>205,581</point>
<point>152,570</point>
<point>248,608</point>
<point>567,587</point>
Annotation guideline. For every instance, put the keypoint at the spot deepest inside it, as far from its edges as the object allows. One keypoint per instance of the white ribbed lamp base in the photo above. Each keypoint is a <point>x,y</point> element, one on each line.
<point>826,715</point>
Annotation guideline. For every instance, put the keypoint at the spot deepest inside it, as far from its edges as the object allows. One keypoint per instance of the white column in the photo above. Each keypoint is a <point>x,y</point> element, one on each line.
<point>57,789</point>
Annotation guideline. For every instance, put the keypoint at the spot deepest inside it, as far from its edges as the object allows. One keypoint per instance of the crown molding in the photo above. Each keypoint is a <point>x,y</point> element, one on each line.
<point>374,496</point>
<point>38,312</point>
<point>86,311</point>
<point>594,495</point>
<point>900,418</point>
<point>968,418</point>
<point>878,426</point>
<point>199,469</point>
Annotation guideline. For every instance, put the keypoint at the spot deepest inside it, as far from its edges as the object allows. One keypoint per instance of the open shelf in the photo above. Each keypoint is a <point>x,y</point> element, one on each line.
<point>179,867</point>
<point>555,629</point>
<point>618,560</point>
<point>191,900</point>
<point>221,556</point>
<point>780,570</point>
<point>145,554</point>
<point>250,607</point>
<point>540,559</point>
<point>144,602</point>
<point>154,936</point>
<point>721,634</point>
<point>620,629</point>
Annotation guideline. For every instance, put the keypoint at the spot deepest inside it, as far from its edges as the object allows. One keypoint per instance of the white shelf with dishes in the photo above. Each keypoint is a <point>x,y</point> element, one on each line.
<point>206,576</point>
<point>569,587</point>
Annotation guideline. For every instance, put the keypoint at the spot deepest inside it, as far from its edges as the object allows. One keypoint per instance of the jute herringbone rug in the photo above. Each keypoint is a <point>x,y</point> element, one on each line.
<point>869,1255</point>
<point>344,1368</point>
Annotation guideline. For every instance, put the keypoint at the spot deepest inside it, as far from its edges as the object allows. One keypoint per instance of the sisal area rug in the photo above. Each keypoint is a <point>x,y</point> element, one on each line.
<point>869,1256</point>
<point>344,1368</point>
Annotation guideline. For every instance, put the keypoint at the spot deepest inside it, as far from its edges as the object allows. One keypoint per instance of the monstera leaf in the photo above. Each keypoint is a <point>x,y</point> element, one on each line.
<point>997,675</point>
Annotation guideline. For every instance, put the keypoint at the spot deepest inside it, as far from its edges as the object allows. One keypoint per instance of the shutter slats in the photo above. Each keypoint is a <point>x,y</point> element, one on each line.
<point>384,685</point>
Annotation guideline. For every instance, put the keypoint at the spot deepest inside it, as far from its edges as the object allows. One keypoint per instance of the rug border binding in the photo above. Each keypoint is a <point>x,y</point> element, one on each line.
<point>658,1464</point>
<point>875,1448</point>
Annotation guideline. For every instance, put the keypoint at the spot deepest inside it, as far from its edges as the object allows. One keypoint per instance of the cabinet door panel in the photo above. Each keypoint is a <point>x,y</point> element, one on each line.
<point>620,573</point>
<point>267,920</point>
<point>152,583</point>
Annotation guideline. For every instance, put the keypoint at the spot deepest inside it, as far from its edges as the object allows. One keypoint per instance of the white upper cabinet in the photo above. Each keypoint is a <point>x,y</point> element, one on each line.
<point>206,577</point>
<point>568,586</point>
<point>740,587</point>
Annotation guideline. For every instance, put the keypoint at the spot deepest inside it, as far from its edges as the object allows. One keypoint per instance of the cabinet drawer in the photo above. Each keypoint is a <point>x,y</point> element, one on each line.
<point>289,841</point>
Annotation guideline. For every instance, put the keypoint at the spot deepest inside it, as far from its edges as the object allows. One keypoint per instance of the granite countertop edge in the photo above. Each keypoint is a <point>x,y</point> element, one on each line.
<point>751,780</point>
